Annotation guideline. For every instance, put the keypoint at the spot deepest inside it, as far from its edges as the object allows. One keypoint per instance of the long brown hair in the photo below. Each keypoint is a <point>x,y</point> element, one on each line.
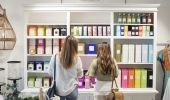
<point>104,59</point>
<point>69,52</point>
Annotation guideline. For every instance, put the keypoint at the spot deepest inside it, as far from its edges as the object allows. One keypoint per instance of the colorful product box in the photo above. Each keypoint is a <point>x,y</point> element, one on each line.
<point>31,82</point>
<point>63,31</point>
<point>41,31</point>
<point>49,31</point>
<point>32,30</point>
<point>46,82</point>
<point>39,65</point>
<point>91,48</point>
<point>46,66</point>
<point>81,48</point>
<point>31,65</point>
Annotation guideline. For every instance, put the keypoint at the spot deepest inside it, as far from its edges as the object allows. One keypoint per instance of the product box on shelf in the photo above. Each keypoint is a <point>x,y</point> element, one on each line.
<point>80,31</point>
<point>46,82</point>
<point>48,31</point>
<point>94,30</point>
<point>31,82</point>
<point>90,30</point>
<point>48,47</point>
<point>104,31</point>
<point>31,65</point>
<point>81,82</point>
<point>32,30</point>
<point>46,66</point>
<point>108,31</point>
<point>56,31</point>
<point>40,46</point>
<point>85,31</point>
<point>31,46</point>
<point>99,30</point>
<point>81,48</point>
<point>41,31</point>
<point>91,48</point>
<point>63,31</point>
<point>38,82</point>
<point>39,65</point>
<point>87,82</point>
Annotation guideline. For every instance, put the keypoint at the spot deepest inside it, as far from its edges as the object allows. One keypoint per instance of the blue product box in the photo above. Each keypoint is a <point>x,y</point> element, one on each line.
<point>39,65</point>
<point>91,48</point>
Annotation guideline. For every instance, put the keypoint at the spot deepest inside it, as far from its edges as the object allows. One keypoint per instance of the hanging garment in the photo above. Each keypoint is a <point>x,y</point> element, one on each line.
<point>166,58</point>
<point>167,91</point>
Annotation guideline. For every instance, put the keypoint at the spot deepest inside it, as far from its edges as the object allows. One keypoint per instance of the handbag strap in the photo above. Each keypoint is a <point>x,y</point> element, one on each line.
<point>54,67</point>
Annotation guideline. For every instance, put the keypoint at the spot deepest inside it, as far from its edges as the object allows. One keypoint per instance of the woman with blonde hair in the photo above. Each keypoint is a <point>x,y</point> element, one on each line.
<point>68,69</point>
<point>104,67</point>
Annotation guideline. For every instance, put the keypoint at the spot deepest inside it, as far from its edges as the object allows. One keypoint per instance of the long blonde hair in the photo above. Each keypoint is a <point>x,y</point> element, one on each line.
<point>104,59</point>
<point>68,55</point>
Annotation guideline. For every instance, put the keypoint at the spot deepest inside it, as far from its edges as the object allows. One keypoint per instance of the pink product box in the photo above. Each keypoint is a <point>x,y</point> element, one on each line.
<point>40,42</point>
<point>81,83</point>
<point>93,80</point>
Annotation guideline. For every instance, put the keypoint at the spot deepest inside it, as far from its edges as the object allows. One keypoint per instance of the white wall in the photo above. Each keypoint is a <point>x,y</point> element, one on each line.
<point>16,17</point>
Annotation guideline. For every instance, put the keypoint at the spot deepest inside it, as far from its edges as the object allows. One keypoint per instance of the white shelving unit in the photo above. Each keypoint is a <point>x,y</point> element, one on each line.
<point>90,15</point>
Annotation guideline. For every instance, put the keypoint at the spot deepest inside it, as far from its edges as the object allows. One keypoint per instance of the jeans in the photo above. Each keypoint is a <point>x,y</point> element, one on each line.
<point>72,96</point>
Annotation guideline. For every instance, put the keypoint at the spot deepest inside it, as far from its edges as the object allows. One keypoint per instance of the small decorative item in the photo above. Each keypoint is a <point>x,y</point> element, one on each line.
<point>14,74</point>
<point>91,48</point>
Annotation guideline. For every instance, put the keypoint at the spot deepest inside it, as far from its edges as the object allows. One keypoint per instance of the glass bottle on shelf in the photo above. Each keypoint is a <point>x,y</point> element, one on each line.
<point>149,19</point>
<point>133,18</point>
<point>138,18</point>
<point>119,18</point>
<point>124,18</point>
<point>129,19</point>
<point>143,19</point>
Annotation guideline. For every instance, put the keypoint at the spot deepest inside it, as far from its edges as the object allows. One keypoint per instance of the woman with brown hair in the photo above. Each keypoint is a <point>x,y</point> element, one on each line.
<point>68,69</point>
<point>104,67</point>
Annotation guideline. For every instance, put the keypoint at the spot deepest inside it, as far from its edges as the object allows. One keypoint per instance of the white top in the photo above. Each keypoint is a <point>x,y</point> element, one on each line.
<point>66,79</point>
<point>167,91</point>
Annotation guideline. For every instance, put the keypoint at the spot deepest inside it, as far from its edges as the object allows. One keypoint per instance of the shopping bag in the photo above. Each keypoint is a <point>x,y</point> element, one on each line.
<point>52,91</point>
